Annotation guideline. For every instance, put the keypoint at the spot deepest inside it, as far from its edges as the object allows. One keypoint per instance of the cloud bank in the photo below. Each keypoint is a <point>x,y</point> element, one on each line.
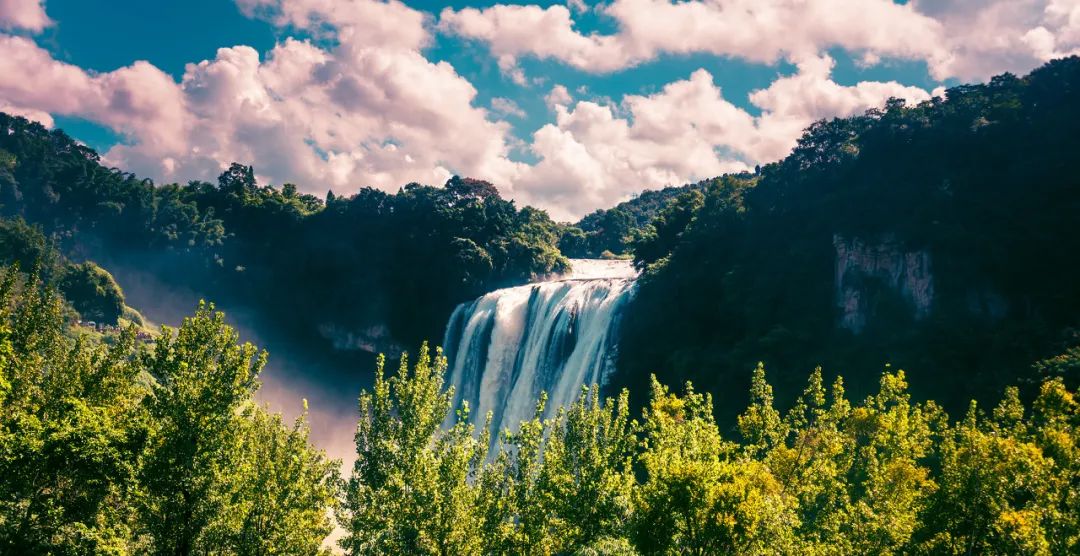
<point>965,39</point>
<point>28,15</point>
<point>359,102</point>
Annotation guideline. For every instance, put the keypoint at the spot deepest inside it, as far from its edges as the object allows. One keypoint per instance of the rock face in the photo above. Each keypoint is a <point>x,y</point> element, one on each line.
<point>864,268</point>
<point>373,339</point>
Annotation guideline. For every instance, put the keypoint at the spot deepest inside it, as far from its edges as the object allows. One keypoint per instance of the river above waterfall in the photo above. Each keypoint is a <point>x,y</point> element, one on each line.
<point>593,269</point>
<point>508,346</point>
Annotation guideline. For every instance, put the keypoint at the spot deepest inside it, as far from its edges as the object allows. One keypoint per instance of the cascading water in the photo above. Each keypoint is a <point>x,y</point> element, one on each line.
<point>511,344</point>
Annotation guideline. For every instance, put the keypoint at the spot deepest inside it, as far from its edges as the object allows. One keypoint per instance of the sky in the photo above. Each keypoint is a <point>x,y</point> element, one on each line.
<point>568,106</point>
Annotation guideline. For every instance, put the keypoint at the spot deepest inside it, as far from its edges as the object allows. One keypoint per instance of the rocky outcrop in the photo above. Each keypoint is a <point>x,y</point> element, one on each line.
<point>373,339</point>
<point>863,268</point>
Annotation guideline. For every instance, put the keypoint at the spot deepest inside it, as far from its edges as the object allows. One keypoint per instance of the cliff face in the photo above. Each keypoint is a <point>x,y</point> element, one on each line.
<point>864,267</point>
<point>374,339</point>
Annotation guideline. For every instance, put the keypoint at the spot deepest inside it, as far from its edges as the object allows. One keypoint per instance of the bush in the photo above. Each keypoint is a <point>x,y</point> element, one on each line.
<point>93,292</point>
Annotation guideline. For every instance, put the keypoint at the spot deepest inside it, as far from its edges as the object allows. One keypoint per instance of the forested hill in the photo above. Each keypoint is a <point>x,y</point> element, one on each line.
<point>941,238</point>
<point>370,272</point>
<point>612,232</point>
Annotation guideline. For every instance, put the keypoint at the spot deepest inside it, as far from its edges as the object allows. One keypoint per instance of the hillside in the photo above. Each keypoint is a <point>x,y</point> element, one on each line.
<point>93,303</point>
<point>613,231</point>
<point>940,238</point>
<point>318,278</point>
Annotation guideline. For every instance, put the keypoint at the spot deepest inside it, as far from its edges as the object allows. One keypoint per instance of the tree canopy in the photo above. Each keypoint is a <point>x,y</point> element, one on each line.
<point>120,449</point>
<point>947,228</point>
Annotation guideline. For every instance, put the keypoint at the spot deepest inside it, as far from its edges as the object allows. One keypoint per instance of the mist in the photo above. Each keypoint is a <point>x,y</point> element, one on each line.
<point>329,379</point>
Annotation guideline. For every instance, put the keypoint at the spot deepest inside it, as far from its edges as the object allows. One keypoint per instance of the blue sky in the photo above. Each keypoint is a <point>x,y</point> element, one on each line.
<point>569,106</point>
<point>132,30</point>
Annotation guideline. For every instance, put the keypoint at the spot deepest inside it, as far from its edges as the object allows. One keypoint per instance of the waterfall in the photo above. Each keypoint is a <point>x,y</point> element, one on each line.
<point>509,345</point>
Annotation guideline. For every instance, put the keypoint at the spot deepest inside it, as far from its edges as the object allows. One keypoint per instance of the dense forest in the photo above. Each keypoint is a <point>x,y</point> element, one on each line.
<point>938,238</point>
<point>613,232</point>
<point>294,260</point>
<point>941,238</point>
<point>125,448</point>
<point>136,449</point>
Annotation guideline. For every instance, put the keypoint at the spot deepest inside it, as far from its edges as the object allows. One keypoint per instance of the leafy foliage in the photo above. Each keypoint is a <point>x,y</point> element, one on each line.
<point>113,449</point>
<point>410,491</point>
<point>244,243</point>
<point>981,183</point>
<point>124,449</point>
<point>826,476</point>
<point>93,292</point>
<point>615,231</point>
<point>90,290</point>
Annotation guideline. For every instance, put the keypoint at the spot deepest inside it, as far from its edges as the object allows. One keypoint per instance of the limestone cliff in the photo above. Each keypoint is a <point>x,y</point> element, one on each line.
<point>864,267</point>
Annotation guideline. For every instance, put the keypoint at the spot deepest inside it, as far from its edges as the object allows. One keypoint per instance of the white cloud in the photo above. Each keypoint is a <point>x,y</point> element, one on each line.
<point>966,39</point>
<point>592,157</point>
<point>756,30</point>
<point>558,95</point>
<point>24,14</point>
<point>342,119</point>
<point>506,107</point>
<point>139,99</point>
<point>389,24</point>
<point>986,37</point>
<point>792,103</point>
<point>42,117</point>
<point>349,116</point>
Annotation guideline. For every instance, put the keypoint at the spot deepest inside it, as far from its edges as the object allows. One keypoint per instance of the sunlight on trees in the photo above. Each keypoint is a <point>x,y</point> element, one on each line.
<point>135,449</point>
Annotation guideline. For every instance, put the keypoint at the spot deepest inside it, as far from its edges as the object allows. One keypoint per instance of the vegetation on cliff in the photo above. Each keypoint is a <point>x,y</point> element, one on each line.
<point>953,223</point>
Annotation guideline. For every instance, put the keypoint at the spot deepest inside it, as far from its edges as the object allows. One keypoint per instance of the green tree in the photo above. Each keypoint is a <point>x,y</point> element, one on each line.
<point>888,479</point>
<point>990,493</point>
<point>287,488</point>
<point>71,430</point>
<point>1009,482</point>
<point>411,490</point>
<point>1054,426</point>
<point>587,473</point>
<point>93,292</point>
<point>699,497</point>
<point>191,472</point>
<point>760,425</point>
<point>667,227</point>
<point>812,464</point>
<point>26,246</point>
<point>517,510</point>
<point>1065,365</point>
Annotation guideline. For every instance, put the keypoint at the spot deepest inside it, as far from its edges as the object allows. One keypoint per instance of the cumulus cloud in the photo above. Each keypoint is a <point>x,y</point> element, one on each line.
<point>558,95</point>
<point>596,154</point>
<point>986,37</point>
<point>354,22</point>
<point>23,14</point>
<point>967,39</point>
<point>367,107</point>
<point>507,107</point>
<point>139,100</point>
<point>755,30</point>
<point>367,111</point>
